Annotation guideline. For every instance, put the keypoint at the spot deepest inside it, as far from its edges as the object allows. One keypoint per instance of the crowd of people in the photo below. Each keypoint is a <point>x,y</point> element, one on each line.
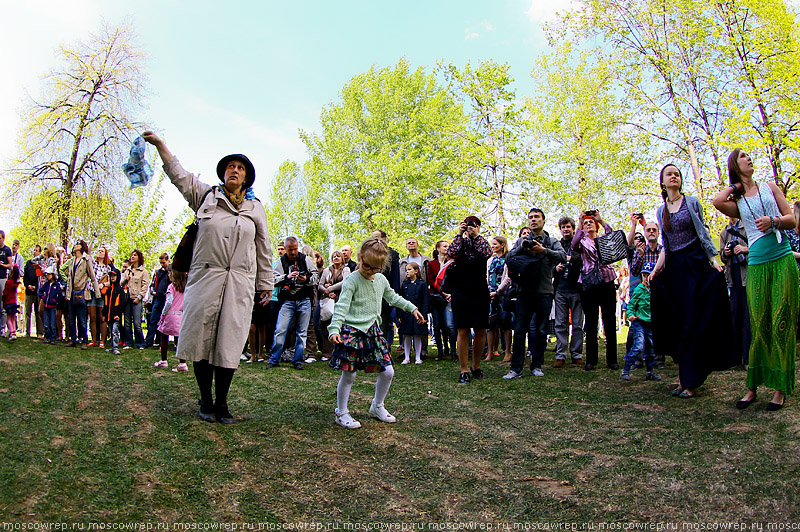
<point>472,296</point>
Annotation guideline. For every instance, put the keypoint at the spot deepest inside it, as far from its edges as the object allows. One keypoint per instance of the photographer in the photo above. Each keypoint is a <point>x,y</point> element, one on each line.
<point>298,277</point>
<point>733,242</point>
<point>536,293</point>
<point>597,290</point>
<point>469,294</point>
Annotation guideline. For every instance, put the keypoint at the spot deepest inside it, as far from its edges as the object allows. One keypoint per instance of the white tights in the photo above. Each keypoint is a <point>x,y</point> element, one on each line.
<point>349,377</point>
<point>417,338</point>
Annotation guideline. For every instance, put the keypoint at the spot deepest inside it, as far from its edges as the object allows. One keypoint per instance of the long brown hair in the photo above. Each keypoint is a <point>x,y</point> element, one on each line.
<point>734,174</point>
<point>178,279</point>
<point>665,216</point>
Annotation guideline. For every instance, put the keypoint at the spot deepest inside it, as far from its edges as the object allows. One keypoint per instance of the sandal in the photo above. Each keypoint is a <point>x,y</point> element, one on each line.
<point>677,391</point>
<point>686,394</point>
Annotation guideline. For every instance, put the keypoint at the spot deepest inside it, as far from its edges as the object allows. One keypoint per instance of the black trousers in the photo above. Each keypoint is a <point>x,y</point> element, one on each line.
<point>596,300</point>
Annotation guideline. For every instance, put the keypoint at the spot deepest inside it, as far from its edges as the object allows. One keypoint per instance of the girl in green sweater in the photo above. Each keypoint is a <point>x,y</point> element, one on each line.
<point>355,331</point>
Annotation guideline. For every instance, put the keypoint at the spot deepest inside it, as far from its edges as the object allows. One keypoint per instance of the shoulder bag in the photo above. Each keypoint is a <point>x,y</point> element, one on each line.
<point>611,247</point>
<point>182,259</point>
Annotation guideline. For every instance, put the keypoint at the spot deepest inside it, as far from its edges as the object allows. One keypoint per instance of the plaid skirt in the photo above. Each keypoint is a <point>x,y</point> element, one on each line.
<point>368,351</point>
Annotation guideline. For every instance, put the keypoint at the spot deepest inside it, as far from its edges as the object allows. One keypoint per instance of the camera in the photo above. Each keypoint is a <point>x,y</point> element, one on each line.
<point>591,212</point>
<point>530,239</point>
<point>472,224</point>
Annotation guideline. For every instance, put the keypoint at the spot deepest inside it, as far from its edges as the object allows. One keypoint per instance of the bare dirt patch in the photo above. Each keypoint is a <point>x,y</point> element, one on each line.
<point>560,489</point>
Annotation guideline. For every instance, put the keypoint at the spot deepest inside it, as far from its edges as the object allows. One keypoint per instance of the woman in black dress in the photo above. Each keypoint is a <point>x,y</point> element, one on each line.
<point>469,292</point>
<point>689,298</point>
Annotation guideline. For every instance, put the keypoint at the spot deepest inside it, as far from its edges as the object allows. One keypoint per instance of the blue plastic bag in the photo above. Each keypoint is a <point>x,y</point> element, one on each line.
<point>137,168</point>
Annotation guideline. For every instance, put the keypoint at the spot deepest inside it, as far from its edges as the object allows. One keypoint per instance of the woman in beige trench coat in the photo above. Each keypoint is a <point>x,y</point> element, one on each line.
<point>232,255</point>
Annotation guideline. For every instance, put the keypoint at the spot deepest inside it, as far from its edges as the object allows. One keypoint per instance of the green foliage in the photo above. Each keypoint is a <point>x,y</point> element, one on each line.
<point>702,78</point>
<point>494,152</point>
<point>388,157</point>
<point>296,207</point>
<point>134,221</point>
<point>75,135</point>
<point>586,154</point>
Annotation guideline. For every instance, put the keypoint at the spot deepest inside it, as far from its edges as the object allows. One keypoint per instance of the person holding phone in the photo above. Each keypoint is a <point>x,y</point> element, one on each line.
<point>598,294</point>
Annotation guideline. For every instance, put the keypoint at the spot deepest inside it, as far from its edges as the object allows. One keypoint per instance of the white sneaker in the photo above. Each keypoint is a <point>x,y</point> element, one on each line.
<point>418,362</point>
<point>310,360</point>
<point>404,362</point>
<point>512,375</point>
<point>380,412</point>
<point>245,357</point>
<point>344,419</point>
<point>537,372</point>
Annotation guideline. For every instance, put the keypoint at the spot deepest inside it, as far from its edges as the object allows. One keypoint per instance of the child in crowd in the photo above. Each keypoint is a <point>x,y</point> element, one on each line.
<point>10,302</point>
<point>170,322</point>
<point>414,290</point>
<point>356,333</point>
<point>50,293</point>
<point>640,334</point>
<point>113,304</point>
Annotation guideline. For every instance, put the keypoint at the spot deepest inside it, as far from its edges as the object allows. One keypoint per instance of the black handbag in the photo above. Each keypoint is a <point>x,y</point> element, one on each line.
<point>182,259</point>
<point>611,247</point>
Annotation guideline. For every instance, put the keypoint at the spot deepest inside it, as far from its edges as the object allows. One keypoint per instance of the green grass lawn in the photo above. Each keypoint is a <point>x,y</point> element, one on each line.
<point>87,436</point>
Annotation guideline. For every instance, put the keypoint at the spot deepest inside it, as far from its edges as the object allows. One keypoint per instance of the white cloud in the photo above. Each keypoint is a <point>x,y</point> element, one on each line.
<point>487,25</point>
<point>469,34</point>
<point>540,11</point>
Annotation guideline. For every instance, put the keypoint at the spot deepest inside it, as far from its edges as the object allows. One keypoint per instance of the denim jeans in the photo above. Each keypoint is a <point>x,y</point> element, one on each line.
<point>530,318</point>
<point>289,309</point>
<point>133,316</point>
<point>152,323</point>
<point>115,334</point>
<point>443,334</point>
<point>640,335</point>
<point>49,319</point>
<point>78,314</point>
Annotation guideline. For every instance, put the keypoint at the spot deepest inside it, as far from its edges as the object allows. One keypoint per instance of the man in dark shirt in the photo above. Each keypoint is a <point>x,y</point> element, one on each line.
<point>6,263</point>
<point>568,299</point>
<point>392,273</point>
<point>158,290</point>
<point>347,254</point>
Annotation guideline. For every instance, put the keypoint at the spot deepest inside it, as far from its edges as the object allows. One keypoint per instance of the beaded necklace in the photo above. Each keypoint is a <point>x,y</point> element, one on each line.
<point>762,203</point>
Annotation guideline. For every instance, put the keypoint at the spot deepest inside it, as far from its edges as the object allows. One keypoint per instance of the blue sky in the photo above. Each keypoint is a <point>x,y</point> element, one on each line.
<point>244,76</point>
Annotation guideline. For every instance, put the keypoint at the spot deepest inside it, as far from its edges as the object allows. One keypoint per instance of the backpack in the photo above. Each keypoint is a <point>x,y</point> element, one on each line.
<point>525,268</point>
<point>441,277</point>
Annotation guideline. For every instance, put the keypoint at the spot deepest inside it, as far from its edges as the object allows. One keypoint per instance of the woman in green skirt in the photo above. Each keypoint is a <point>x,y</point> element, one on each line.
<point>773,290</point>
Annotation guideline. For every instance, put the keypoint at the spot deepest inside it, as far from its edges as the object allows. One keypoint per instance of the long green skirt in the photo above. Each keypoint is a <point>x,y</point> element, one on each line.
<point>773,293</point>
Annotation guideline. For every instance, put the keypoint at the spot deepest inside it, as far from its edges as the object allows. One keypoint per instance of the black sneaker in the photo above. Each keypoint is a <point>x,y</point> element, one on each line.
<point>464,379</point>
<point>223,415</point>
<point>206,412</point>
<point>615,367</point>
<point>271,365</point>
<point>477,373</point>
<point>299,365</point>
<point>652,376</point>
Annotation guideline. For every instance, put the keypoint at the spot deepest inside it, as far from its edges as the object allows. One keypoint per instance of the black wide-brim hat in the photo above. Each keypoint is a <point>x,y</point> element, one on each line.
<point>251,171</point>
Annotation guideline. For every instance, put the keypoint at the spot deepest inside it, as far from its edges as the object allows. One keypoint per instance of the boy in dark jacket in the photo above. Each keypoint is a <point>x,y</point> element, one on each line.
<point>114,300</point>
<point>50,294</point>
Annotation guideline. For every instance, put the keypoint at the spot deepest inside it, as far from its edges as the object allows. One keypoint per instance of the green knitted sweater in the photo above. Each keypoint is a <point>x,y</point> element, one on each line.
<point>359,303</point>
